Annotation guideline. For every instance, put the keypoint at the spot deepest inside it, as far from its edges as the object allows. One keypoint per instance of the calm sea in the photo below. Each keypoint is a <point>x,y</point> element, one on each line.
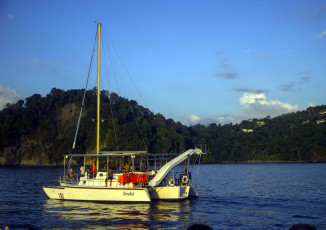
<point>232,196</point>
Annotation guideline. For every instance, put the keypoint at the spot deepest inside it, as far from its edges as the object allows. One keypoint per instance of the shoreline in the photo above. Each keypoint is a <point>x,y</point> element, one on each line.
<point>204,163</point>
<point>263,162</point>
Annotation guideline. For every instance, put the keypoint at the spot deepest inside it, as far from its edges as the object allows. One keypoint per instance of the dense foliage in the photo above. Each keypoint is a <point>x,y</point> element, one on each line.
<point>46,126</point>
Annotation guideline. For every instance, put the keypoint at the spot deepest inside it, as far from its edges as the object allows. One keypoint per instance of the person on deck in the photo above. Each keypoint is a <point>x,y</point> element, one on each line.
<point>88,173</point>
<point>126,168</point>
<point>72,175</point>
<point>109,178</point>
<point>82,171</point>
<point>94,167</point>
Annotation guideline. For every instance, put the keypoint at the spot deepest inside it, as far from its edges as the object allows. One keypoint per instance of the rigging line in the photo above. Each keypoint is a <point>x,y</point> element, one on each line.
<point>131,108</point>
<point>112,115</point>
<point>133,113</point>
<point>194,160</point>
<point>198,170</point>
<point>114,74</point>
<point>114,128</point>
<point>138,126</point>
<point>112,62</point>
<point>83,101</point>
<point>129,75</point>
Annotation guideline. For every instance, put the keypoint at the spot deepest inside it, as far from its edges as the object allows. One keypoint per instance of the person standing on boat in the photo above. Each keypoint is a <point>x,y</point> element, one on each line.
<point>109,177</point>
<point>94,167</point>
<point>126,168</point>
<point>70,174</point>
<point>82,171</point>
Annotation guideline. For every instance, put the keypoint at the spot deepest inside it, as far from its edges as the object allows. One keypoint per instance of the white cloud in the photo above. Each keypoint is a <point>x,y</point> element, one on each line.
<point>191,119</point>
<point>8,95</point>
<point>253,104</point>
<point>256,105</point>
<point>222,119</point>
<point>194,119</point>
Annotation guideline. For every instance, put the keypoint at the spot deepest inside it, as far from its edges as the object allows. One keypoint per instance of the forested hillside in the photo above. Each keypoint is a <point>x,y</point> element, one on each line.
<point>40,130</point>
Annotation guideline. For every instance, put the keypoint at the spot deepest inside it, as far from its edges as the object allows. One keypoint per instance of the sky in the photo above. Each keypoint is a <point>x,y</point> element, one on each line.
<point>204,62</point>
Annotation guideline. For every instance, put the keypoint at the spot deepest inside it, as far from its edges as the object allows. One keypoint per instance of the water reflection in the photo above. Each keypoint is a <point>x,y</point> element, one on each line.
<point>118,216</point>
<point>171,211</point>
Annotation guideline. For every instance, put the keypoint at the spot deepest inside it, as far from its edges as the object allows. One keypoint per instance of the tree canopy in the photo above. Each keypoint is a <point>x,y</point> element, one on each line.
<point>46,126</point>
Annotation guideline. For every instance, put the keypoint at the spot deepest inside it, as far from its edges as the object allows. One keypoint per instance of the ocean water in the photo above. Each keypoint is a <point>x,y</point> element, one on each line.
<point>231,196</point>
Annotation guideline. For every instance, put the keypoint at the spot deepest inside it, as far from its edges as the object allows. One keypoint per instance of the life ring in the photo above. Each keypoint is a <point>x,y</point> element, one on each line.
<point>171,182</point>
<point>185,179</point>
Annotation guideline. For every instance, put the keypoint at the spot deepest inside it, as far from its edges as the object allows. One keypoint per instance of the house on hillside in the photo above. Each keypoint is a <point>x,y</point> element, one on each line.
<point>260,123</point>
<point>247,130</point>
<point>305,122</point>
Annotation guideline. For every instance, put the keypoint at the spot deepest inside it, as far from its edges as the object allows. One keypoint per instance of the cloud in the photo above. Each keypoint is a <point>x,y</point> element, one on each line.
<point>194,119</point>
<point>256,105</point>
<point>292,86</point>
<point>304,73</point>
<point>10,16</point>
<point>253,105</point>
<point>226,70</point>
<point>191,119</point>
<point>315,11</point>
<point>220,119</point>
<point>41,62</point>
<point>304,79</point>
<point>223,64</point>
<point>226,75</point>
<point>8,95</point>
<point>219,52</point>
<point>249,90</point>
<point>322,34</point>
<point>287,87</point>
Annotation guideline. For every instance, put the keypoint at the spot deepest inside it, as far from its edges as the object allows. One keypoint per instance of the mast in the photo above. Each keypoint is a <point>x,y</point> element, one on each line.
<point>98,93</point>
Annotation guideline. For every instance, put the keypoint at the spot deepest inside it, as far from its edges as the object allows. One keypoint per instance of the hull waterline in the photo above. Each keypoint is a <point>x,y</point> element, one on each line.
<point>99,194</point>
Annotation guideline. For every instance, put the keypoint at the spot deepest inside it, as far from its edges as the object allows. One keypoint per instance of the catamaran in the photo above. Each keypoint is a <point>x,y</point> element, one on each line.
<point>126,176</point>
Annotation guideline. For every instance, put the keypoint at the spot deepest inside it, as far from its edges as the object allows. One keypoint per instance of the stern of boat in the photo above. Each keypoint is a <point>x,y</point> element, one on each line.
<point>192,192</point>
<point>169,192</point>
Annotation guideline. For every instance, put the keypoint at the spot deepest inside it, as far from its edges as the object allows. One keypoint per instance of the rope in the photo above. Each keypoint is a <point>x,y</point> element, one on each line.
<point>129,75</point>
<point>111,110</point>
<point>83,102</point>
<point>197,172</point>
<point>108,41</point>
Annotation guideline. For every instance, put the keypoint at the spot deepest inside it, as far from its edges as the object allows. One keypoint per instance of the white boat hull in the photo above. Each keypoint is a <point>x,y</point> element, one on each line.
<point>100,194</point>
<point>169,193</point>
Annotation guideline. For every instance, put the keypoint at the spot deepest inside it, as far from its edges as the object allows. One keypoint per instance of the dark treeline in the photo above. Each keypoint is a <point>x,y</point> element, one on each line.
<point>40,130</point>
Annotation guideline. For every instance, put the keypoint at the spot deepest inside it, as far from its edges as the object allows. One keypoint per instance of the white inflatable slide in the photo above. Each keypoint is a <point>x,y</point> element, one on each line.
<point>170,165</point>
